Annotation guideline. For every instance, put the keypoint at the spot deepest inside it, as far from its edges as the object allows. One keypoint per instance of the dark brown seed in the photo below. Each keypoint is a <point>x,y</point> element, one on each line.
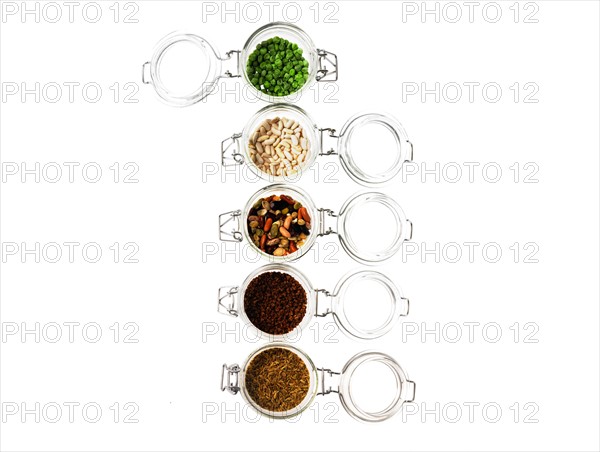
<point>275,302</point>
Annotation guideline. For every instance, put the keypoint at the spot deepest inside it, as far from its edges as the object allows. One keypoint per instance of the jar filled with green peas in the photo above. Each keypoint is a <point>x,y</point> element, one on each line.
<point>278,62</point>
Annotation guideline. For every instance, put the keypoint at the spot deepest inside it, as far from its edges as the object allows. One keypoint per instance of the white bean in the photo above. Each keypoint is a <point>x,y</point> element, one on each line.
<point>278,146</point>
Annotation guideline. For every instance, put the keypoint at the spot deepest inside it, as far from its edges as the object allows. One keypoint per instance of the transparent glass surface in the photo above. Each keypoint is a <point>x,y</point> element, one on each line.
<point>371,227</point>
<point>367,304</point>
<point>373,147</point>
<point>373,387</point>
<point>184,69</point>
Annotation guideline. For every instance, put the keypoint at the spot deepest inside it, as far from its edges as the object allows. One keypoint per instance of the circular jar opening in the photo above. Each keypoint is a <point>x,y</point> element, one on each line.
<point>275,302</point>
<point>280,142</point>
<point>371,386</point>
<point>373,147</point>
<point>374,398</point>
<point>379,149</point>
<point>279,60</point>
<point>280,222</point>
<point>184,69</point>
<point>279,380</point>
<point>369,305</point>
<point>371,227</point>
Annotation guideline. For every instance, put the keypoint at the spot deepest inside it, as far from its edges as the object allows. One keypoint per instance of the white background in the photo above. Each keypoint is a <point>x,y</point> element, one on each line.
<point>172,374</point>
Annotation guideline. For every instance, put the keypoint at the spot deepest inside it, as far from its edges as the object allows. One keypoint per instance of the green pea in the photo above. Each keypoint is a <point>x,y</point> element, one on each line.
<point>277,67</point>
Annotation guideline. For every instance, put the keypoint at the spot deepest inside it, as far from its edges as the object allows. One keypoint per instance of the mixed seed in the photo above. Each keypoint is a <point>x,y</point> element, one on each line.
<point>278,147</point>
<point>278,225</point>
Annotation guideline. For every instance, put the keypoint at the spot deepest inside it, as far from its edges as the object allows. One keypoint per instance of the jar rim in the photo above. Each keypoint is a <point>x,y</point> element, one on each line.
<point>205,88</point>
<point>346,151</point>
<point>367,256</point>
<point>404,388</point>
<point>346,323</point>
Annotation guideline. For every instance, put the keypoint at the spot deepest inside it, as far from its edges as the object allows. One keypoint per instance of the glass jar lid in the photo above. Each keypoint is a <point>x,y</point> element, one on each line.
<point>373,387</point>
<point>367,320</point>
<point>372,148</point>
<point>184,69</point>
<point>372,227</point>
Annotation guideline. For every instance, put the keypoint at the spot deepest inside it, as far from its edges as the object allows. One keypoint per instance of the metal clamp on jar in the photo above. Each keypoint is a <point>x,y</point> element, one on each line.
<point>276,163</point>
<point>322,65</point>
<point>353,225</point>
<point>321,302</point>
<point>350,383</point>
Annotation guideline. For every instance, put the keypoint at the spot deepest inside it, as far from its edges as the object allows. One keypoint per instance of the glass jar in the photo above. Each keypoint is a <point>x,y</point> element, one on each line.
<point>321,302</point>
<point>355,236</point>
<point>322,65</point>
<point>325,381</point>
<point>236,149</point>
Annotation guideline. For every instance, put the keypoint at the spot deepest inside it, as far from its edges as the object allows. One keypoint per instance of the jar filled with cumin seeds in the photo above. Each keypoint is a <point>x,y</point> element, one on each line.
<point>281,381</point>
<point>277,301</point>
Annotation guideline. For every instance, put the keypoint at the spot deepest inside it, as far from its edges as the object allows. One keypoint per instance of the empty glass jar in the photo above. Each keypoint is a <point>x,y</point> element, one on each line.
<point>273,165</point>
<point>209,62</point>
<point>349,383</point>
<point>321,302</point>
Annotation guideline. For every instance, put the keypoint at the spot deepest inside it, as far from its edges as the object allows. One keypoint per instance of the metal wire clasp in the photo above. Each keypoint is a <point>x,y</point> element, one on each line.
<point>232,382</point>
<point>328,309</point>
<point>323,215</point>
<point>228,293</point>
<point>235,234</point>
<point>331,375</point>
<point>330,133</point>
<point>228,73</point>
<point>323,73</point>
<point>236,156</point>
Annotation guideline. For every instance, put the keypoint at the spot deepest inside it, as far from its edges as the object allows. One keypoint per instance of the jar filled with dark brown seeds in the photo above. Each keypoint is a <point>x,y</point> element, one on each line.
<point>275,302</point>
